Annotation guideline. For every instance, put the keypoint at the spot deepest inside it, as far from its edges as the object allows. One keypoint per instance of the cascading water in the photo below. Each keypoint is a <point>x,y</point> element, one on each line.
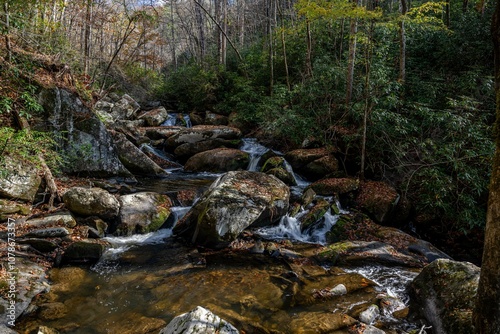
<point>255,150</point>
<point>178,119</point>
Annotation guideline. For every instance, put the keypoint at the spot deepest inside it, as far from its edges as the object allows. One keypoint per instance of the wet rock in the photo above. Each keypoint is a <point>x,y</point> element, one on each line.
<point>218,160</point>
<point>428,250</point>
<point>273,162</point>
<point>88,147</point>
<point>321,167</point>
<point>21,180</point>
<point>283,175</point>
<point>51,232</point>
<point>377,199</point>
<point>369,315</point>
<point>232,203</point>
<point>41,245</point>
<point>363,252</point>
<point>314,214</point>
<point>320,322</point>
<point>83,251</point>
<point>203,132</point>
<point>444,293</point>
<point>334,186</point>
<point>134,159</point>
<point>91,202</point>
<point>187,150</point>
<point>95,223</point>
<point>65,220</point>
<point>142,213</point>
<point>134,323</point>
<point>199,320</point>
<point>155,117</point>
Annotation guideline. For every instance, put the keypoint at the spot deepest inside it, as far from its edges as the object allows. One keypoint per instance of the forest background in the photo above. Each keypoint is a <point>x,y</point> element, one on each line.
<point>402,90</point>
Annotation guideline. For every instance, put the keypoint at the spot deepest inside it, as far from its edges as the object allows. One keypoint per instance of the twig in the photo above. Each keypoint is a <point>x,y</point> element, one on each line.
<point>422,330</point>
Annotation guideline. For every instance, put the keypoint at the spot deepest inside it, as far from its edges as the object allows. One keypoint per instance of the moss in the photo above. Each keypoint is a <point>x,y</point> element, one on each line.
<point>332,252</point>
<point>273,162</point>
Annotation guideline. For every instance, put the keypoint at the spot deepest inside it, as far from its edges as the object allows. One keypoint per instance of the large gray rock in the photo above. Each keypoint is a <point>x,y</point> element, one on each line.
<point>142,212</point>
<point>114,109</point>
<point>187,150</point>
<point>445,294</point>
<point>199,320</point>
<point>91,202</point>
<point>155,117</point>
<point>234,202</point>
<point>134,159</point>
<point>21,180</point>
<point>218,160</point>
<point>87,146</point>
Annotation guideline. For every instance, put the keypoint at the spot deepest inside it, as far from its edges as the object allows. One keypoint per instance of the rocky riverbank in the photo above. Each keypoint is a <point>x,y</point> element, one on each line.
<point>228,208</point>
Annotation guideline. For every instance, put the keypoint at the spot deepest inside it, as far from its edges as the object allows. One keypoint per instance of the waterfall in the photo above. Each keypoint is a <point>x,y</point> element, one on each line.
<point>255,150</point>
<point>178,119</point>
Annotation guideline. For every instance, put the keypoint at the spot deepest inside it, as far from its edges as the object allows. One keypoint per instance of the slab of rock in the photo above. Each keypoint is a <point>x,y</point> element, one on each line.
<point>21,180</point>
<point>51,232</point>
<point>445,293</point>
<point>202,132</point>
<point>142,212</point>
<point>199,320</point>
<point>218,160</point>
<point>134,159</point>
<point>65,220</point>
<point>187,150</point>
<point>233,202</point>
<point>83,251</point>
<point>320,322</point>
<point>91,202</point>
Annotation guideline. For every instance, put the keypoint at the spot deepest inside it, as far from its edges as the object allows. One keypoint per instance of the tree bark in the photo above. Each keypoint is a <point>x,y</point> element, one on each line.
<point>352,60</point>
<point>7,31</point>
<point>487,312</point>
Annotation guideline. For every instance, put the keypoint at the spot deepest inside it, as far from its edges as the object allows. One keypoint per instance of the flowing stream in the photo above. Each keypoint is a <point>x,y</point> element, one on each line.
<point>143,281</point>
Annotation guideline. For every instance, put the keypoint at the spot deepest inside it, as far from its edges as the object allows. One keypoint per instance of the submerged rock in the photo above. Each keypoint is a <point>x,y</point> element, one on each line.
<point>199,320</point>
<point>232,203</point>
<point>445,293</point>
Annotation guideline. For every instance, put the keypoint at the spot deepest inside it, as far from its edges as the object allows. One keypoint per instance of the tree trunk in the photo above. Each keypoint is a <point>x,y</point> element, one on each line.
<point>309,68</point>
<point>7,31</point>
<point>402,43</point>
<point>172,33</point>
<point>487,311</point>
<point>201,33</point>
<point>283,45</point>
<point>352,60</point>
<point>87,34</point>
<point>270,20</point>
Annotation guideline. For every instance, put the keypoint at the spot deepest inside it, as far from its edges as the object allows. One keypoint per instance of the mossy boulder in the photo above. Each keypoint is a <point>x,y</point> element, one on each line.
<point>235,201</point>
<point>314,214</point>
<point>273,162</point>
<point>142,213</point>
<point>445,293</point>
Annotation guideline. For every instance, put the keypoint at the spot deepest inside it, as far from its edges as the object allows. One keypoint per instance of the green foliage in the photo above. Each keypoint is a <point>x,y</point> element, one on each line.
<point>28,146</point>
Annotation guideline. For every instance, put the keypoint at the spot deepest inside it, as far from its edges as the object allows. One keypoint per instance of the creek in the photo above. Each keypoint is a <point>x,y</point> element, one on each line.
<point>142,282</point>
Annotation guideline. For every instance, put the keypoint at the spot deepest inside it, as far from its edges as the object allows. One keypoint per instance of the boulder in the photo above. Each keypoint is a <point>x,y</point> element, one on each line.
<point>313,163</point>
<point>20,180</point>
<point>160,132</point>
<point>218,160</point>
<point>202,132</point>
<point>445,293</point>
<point>88,147</point>
<point>83,251</point>
<point>199,320</point>
<point>377,199</point>
<point>155,117</point>
<point>134,159</point>
<point>142,213</point>
<point>215,119</point>
<point>115,108</point>
<point>187,150</point>
<point>235,201</point>
<point>366,252</point>
<point>8,208</point>
<point>283,175</point>
<point>335,186</point>
<point>91,202</point>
